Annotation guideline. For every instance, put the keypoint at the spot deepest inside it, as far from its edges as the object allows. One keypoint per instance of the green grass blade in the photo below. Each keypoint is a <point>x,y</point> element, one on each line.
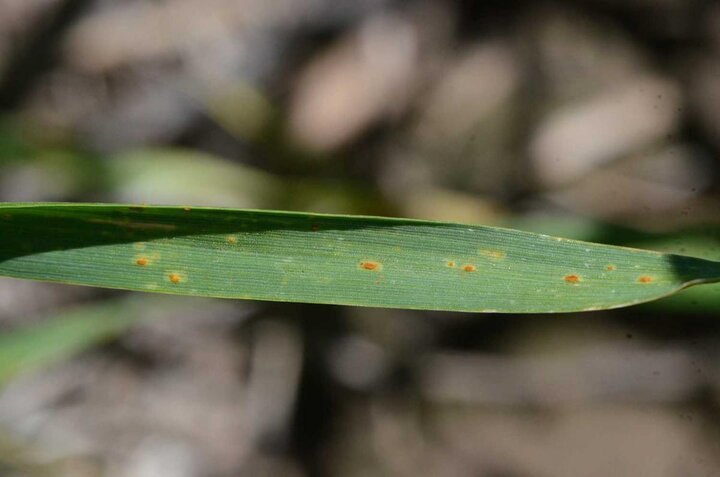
<point>34,347</point>
<point>78,329</point>
<point>348,260</point>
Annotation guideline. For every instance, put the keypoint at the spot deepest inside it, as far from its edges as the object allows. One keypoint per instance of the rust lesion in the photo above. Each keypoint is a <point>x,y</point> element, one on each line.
<point>370,265</point>
<point>572,278</point>
<point>142,261</point>
<point>469,268</point>
<point>645,279</point>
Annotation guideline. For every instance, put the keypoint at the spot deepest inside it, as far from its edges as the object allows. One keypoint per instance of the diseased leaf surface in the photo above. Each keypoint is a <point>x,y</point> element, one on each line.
<point>348,260</point>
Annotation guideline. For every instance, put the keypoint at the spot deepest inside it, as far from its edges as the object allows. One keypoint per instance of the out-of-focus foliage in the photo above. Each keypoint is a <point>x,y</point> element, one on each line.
<point>69,332</point>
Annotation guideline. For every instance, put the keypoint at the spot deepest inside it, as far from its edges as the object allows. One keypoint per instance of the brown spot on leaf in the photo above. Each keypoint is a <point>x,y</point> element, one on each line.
<point>610,268</point>
<point>368,265</point>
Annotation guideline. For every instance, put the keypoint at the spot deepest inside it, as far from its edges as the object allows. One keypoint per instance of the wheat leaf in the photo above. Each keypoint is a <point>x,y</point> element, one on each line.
<point>333,259</point>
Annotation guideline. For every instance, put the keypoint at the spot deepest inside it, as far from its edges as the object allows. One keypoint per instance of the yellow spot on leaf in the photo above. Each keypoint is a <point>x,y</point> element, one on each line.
<point>232,240</point>
<point>494,254</point>
<point>187,209</point>
<point>451,264</point>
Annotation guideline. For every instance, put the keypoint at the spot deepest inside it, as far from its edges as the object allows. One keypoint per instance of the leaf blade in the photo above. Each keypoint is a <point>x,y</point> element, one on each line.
<point>347,260</point>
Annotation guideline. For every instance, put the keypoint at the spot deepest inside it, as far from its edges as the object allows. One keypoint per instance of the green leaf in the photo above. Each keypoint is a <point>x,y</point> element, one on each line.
<point>34,347</point>
<point>348,260</point>
<point>75,330</point>
<point>699,241</point>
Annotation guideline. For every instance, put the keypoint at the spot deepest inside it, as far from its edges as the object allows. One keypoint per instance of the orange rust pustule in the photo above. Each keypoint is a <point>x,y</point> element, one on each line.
<point>142,261</point>
<point>174,278</point>
<point>572,278</point>
<point>469,268</point>
<point>645,279</point>
<point>610,268</point>
<point>366,265</point>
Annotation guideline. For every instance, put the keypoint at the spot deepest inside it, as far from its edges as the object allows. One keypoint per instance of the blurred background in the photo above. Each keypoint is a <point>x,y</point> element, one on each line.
<point>592,119</point>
